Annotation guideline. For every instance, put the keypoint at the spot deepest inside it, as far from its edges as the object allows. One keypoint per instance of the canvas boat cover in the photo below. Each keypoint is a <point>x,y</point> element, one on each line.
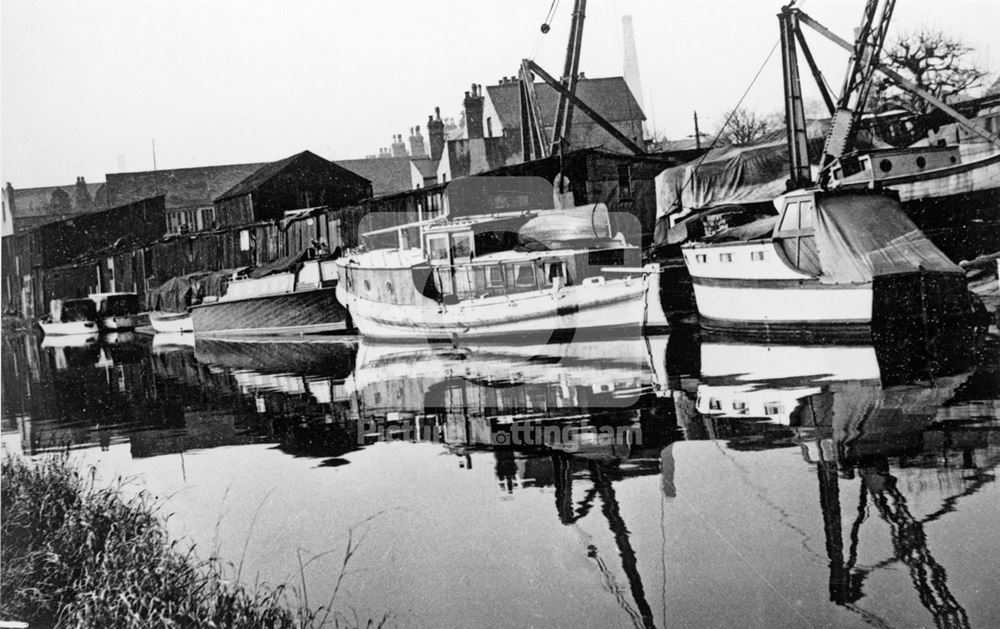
<point>860,236</point>
<point>733,175</point>
<point>177,293</point>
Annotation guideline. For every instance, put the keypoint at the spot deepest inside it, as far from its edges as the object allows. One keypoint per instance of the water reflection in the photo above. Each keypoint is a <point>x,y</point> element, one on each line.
<point>880,437</point>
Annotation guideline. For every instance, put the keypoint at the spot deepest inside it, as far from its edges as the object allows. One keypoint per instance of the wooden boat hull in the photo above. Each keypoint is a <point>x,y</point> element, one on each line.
<point>313,357</point>
<point>69,328</point>
<point>593,308</point>
<point>300,312</point>
<point>175,322</point>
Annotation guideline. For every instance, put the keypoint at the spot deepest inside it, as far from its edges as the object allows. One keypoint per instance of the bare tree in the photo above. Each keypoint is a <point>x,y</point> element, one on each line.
<point>745,126</point>
<point>934,61</point>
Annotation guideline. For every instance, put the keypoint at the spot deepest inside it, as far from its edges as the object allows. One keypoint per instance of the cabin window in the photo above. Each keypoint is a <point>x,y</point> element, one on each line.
<point>921,161</point>
<point>494,277</point>
<point>774,408</point>
<point>790,221</point>
<point>758,256</point>
<point>624,182</point>
<point>714,405</point>
<point>437,248</point>
<point>701,258</point>
<point>461,246</point>
<point>524,275</point>
<point>885,165</point>
<point>807,215</point>
<point>725,257</point>
<point>368,286</point>
<point>740,406</point>
<point>555,270</point>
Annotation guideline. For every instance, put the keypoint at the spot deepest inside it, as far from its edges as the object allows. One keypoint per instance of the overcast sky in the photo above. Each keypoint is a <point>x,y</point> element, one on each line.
<point>220,82</point>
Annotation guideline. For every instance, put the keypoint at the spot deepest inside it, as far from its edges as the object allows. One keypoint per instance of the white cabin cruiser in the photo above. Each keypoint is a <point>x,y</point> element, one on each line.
<point>510,274</point>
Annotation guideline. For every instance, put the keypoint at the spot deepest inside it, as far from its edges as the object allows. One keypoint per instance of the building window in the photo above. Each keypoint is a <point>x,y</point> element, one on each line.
<point>206,218</point>
<point>624,182</point>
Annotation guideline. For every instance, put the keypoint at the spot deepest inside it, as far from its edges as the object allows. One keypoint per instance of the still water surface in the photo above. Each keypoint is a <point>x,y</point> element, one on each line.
<point>664,481</point>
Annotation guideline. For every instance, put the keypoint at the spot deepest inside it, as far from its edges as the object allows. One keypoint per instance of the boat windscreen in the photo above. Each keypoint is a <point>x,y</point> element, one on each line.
<point>77,310</point>
<point>120,305</point>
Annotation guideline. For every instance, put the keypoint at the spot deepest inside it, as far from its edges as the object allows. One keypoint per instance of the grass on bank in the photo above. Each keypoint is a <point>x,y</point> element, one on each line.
<point>75,554</point>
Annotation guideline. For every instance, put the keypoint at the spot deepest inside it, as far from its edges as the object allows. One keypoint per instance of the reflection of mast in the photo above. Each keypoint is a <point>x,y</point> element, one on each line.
<point>609,506</point>
<point>910,544</point>
<point>845,587</point>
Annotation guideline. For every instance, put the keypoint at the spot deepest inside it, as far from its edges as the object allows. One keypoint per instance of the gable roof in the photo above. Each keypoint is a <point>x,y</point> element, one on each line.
<point>426,166</point>
<point>183,187</point>
<point>37,202</point>
<point>610,97</point>
<point>387,174</point>
<point>267,171</point>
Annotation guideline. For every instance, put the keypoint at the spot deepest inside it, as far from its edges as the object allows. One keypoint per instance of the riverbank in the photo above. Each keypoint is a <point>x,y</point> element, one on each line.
<point>76,554</point>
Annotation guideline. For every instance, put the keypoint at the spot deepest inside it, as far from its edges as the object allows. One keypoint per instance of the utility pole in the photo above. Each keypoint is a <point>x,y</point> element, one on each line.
<point>697,132</point>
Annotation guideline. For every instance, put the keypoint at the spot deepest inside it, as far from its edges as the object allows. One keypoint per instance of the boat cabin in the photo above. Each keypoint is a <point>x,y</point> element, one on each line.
<point>70,310</point>
<point>116,304</point>
<point>877,165</point>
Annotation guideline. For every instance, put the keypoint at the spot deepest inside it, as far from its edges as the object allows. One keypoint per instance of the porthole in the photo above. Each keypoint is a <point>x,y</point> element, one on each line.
<point>885,165</point>
<point>921,161</point>
<point>954,160</point>
<point>367,285</point>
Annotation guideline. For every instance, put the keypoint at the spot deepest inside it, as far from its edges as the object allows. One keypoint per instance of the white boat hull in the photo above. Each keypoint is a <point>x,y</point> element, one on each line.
<point>763,305</point>
<point>69,328</point>
<point>171,322</point>
<point>599,307</point>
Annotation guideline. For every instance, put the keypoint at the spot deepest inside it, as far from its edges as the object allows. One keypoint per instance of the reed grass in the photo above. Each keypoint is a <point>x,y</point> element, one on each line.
<point>75,554</point>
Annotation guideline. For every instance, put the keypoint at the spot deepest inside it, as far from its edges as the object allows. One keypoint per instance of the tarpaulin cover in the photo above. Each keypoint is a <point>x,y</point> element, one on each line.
<point>215,283</point>
<point>742,175</point>
<point>177,293</point>
<point>859,236</point>
<point>280,265</point>
<point>761,228</point>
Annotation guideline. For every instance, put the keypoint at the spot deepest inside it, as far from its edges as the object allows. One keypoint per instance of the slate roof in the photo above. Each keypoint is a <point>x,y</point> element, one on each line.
<point>610,97</point>
<point>183,187</point>
<point>387,174</point>
<point>269,170</point>
<point>426,166</point>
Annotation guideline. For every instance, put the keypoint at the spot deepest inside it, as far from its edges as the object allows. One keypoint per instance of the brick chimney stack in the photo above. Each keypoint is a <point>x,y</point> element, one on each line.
<point>417,143</point>
<point>83,200</point>
<point>398,146</point>
<point>435,134</point>
<point>474,112</point>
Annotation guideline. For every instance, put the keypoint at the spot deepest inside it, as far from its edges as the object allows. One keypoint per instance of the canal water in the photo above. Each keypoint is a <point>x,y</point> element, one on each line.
<point>661,481</point>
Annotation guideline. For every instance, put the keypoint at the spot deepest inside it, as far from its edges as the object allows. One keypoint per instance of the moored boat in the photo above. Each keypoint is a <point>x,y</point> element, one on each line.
<point>116,311</point>
<point>829,265</point>
<point>169,303</point>
<point>171,322</point>
<point>293,295</point>
<point>70,317</point>
<point>509,274</point>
